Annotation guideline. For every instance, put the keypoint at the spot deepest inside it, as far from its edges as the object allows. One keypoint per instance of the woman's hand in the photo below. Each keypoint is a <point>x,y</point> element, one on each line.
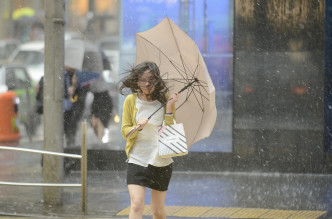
<point>74,80</point>
<point>71,90</point>
<point>142,122</point>
<point>171,101</point>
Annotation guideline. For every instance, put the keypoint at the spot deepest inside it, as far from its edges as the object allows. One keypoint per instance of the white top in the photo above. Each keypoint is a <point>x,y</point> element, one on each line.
<point>145,149</point>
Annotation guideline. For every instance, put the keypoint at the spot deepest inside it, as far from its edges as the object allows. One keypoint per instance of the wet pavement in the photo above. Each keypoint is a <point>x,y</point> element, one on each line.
<point>192,194</point>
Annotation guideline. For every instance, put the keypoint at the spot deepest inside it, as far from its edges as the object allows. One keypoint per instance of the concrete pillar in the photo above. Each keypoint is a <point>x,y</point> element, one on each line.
<point>53,99</point>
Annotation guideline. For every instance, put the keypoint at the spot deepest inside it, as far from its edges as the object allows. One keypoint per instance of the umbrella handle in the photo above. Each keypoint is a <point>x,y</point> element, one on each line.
<point>184,88</point>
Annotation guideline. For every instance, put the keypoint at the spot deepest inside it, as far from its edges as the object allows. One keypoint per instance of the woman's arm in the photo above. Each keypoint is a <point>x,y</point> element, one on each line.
<point>170,109</point>
<point>127,120</point>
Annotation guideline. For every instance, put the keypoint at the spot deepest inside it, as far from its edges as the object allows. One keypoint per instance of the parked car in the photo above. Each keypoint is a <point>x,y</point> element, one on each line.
<point>31,55</point>
<point>15,78</point>
<point>7,47</point>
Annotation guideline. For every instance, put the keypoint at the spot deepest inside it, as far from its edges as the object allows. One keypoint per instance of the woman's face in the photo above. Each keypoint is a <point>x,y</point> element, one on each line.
<point>147,82</point>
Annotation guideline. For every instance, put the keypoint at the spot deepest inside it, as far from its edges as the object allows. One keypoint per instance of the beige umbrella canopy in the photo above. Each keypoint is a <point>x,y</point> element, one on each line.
<point>180,64</point>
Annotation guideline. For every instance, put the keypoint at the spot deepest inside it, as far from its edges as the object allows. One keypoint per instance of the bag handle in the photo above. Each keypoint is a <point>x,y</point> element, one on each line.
<point>162,127</point>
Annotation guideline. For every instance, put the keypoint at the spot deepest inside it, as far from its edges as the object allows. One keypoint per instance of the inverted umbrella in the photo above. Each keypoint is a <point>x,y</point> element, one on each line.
<point>85,78</point>
<point>23,12</point>
<point>183,68</point>
<point>84,56</point>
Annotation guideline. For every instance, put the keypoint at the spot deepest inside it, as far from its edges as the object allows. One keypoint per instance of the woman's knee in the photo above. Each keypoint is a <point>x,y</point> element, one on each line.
<point>158,212</point>
<point>137,205</point>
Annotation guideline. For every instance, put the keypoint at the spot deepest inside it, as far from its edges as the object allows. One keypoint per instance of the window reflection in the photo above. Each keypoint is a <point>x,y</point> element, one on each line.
<point>210,24</point>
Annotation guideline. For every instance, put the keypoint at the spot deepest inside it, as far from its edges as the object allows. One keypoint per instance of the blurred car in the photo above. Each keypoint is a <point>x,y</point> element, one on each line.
<point>30,55</point>
<point>14,77</point>
<point>7,47</point>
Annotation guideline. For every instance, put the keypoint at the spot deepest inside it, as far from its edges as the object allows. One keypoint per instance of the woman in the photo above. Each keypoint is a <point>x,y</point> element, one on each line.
<point>145,167</point>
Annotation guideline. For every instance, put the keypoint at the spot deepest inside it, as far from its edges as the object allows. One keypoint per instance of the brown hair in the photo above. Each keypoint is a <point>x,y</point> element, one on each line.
<point>131,81</point>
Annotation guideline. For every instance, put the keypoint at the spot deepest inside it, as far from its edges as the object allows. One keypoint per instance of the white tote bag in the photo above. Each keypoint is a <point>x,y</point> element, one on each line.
<point>172,140</point>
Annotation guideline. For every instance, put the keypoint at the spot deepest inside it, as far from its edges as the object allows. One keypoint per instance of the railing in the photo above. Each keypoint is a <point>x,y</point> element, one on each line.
<point>83,158</point>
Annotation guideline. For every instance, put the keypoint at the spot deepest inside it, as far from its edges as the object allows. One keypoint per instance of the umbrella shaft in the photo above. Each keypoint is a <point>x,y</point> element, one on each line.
<point>158,109</point>
<point>184,88</point>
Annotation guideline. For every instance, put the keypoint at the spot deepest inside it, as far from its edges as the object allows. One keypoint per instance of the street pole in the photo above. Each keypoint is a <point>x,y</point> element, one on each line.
<point>6,24</point>
<point>53,99</point>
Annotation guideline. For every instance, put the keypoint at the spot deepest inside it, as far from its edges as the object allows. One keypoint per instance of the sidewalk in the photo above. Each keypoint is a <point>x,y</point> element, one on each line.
<point>192,194</point>
<point>195,192</point>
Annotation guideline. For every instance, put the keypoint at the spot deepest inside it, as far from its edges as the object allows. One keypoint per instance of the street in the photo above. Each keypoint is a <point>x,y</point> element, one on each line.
<point>191,193</point>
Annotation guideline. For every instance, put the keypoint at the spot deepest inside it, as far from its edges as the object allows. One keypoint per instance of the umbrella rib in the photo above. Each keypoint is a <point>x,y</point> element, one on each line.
<point>172,63</point>
<point>202,95</point>
<point>197,100</point>
<point>187,97</point>
<point>193,87</point>
<point>178,69</point>
<point>189,93</point>
<point>199,90</point>
<point>184,73</point>
<point>176,42</point>
<point>196,69</point>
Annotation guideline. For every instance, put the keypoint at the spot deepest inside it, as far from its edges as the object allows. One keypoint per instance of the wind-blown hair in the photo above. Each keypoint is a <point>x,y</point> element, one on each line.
<point>131,81</point>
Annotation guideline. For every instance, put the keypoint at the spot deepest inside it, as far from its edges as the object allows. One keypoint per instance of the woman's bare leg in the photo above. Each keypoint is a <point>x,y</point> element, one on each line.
<point>158,204</point>
<point>137,194</point>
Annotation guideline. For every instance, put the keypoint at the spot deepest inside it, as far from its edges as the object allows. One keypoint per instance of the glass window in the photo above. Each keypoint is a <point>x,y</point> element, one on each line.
<point>21,78</point>
<point>29,58</point>
<point>10,79</point>
<point>16,78</point>
<point>210,24</point>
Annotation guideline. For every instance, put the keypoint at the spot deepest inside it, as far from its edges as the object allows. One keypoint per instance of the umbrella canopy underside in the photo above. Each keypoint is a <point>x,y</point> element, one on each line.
<point>180,63</point>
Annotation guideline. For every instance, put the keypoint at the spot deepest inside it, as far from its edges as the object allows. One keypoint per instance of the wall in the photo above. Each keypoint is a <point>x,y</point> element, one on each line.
<point>279,83</point>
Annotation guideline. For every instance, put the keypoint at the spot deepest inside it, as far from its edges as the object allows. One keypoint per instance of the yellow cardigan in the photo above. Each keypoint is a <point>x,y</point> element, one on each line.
<point>129,120</point>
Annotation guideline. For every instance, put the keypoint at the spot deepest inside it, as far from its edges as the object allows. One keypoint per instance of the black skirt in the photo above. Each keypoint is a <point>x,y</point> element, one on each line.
<point>156,178</point>
<point>102,106</point>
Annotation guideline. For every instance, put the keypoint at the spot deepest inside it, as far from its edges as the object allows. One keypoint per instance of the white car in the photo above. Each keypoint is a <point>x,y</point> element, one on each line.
<point>7,47</point>
<point>31,55</point>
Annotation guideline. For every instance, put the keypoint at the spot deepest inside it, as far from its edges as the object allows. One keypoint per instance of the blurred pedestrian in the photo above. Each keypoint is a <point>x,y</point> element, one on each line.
<point>73,103</point>
<point>101,109</point>
<point>145,168</point>
<point>37,31</point>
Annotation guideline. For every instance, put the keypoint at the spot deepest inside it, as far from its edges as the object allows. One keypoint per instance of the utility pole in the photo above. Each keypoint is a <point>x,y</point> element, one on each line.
<point>6,22</point>
<point>53,98</point>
